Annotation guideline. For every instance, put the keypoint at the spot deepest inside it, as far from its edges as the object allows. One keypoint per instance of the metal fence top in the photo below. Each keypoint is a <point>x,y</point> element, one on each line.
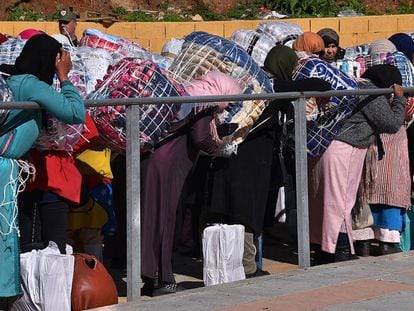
<point>215,98</point>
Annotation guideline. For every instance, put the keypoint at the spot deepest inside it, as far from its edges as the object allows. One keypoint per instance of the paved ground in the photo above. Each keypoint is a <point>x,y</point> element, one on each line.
<point>373,283</point>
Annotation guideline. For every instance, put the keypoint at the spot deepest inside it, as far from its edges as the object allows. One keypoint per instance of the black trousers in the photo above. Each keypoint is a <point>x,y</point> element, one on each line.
<point>41,222</point>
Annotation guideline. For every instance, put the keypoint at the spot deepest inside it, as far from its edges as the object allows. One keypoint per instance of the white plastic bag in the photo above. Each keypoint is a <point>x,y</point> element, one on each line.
<point>223,247</point>
<point>46,280</point>
<point>280,211</point>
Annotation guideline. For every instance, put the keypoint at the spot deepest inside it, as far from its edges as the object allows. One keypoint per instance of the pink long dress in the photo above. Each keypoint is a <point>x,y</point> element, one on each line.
<point>333,183</point>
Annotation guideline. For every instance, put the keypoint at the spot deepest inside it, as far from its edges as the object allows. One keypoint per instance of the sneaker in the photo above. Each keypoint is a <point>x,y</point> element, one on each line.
<point>259,272</point>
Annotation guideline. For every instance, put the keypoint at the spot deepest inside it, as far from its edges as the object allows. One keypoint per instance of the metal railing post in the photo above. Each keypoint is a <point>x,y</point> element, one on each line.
<point>301,168</point>
<point>133,212</point>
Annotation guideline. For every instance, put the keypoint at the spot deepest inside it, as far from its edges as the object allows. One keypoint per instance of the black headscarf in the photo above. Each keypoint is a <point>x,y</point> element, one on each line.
<point>383,76</point>
<point>37,58</point>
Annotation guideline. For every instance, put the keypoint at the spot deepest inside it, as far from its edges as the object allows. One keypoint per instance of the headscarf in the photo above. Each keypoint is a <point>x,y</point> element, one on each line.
<point>28,33</point>
<point>214,83</point>
<point>329,36</point>
<point>383,76</point>
<point>37,58</point>
<point>280,62</point>
<point>404,43</point>
<point>309,42</point>
<point>382,46</point>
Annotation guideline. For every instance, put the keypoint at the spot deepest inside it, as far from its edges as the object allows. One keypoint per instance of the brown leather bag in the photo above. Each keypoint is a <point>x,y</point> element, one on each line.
<point>92,285</point>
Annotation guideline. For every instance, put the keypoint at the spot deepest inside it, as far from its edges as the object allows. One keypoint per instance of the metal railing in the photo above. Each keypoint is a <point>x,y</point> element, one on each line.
<point>133,164</point>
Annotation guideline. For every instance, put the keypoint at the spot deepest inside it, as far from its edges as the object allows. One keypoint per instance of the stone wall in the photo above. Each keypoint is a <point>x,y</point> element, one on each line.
<point>352,30</point>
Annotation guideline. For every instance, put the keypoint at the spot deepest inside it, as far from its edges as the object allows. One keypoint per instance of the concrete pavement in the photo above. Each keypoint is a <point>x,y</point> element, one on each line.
<point>374,283</point>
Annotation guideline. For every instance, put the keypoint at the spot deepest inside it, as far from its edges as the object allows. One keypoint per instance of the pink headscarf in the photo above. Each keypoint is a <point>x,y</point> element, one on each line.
<point>214,83</point>
<point>28,33</point>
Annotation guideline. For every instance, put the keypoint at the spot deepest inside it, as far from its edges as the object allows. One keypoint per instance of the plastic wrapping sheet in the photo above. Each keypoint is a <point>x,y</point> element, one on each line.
<point>282,33</point>
<point>6,95</point>
<point>324,124</point>
<point>256,44</point>
<point>203,52</point>
<point>130,78</point>
<point>96,63</point>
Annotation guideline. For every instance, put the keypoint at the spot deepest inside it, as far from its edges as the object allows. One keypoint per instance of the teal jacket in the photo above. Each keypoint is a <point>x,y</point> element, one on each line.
<point>21,128</point>
<point>67,106</point>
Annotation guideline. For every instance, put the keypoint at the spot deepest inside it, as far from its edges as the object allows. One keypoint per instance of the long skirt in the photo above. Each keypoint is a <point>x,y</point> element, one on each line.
<point>333,184</point>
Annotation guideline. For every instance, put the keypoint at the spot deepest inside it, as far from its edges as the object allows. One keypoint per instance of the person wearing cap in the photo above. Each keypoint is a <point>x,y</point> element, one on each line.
<point>332,51</point>
<point>67,25</point>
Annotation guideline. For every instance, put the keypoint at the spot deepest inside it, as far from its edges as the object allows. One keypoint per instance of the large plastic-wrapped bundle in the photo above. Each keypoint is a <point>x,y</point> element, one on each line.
<point>363,62</point>
<point>203,52</point>
<point>282,33</point>
<point>256,44</point>
<point>10,50</point>
<point>6,95</point>
<point>119,47</point>
<point>58,135</point>
<point>354,51</point>
<point>324,124</point>
<point>134,78</point>
<point>96,63</point>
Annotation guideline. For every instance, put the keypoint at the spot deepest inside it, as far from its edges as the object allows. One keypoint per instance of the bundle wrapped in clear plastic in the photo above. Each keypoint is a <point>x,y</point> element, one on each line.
<point>119,47</point>
<point>324,122</point>
<point>282,33</point>
<point>354,51</point>
<point>10,50</point>
<point>135,78</point>
<point>6,95</point>
<point>361,63</point>
<point>256,44</point>
<point>203,52</point>
<point>58,135</point>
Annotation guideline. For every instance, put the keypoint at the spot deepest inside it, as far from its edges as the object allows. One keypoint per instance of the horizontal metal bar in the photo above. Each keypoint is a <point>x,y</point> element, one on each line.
<point>216,98</point>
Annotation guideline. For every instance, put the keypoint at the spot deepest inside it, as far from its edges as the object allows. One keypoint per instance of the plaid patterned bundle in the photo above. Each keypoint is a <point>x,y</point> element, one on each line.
<point>324,124</point>
<point>10,50</point>
<point>130,78</point>
<point>203,52</point>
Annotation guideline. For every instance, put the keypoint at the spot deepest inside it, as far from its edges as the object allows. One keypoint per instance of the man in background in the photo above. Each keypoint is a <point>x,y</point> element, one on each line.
<point>67,25</point>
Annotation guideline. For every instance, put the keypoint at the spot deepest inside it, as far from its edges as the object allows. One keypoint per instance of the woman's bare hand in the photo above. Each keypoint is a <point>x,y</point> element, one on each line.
<point>63,65</point>
<point>398,90</point>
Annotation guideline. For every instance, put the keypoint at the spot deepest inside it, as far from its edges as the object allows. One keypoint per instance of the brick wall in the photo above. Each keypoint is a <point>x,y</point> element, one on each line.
<point>352,30</point>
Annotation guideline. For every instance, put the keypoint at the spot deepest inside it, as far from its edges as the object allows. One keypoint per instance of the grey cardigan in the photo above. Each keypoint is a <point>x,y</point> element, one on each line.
<point>376,116</point>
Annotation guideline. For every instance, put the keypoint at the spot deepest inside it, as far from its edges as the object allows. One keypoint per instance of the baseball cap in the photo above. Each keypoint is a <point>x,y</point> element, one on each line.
<point>67,15</point>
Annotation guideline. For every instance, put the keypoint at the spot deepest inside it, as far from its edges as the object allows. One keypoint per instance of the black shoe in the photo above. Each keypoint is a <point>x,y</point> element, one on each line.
<point>389,248</point>
<point>343,254</point>
<point>322,258</point>
<point>150,285</point>
<point>363,248</point>
<point>259,272</point>
<point>165,289</point>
